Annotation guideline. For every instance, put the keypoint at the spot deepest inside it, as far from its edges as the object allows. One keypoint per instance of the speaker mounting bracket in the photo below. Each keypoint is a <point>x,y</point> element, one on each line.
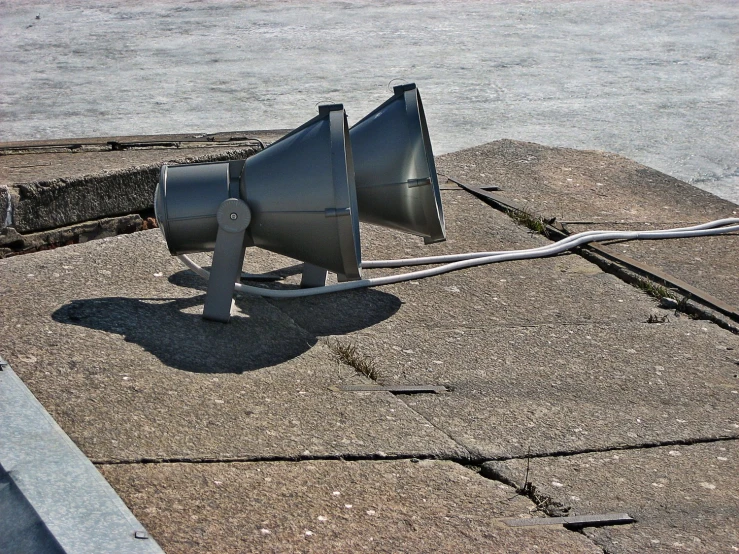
<point>314,276</point>
<point>233,218</point>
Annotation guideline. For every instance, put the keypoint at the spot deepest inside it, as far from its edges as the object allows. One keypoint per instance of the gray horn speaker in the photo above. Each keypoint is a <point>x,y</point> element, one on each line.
<point>394,168</point>
<point>297,198</point>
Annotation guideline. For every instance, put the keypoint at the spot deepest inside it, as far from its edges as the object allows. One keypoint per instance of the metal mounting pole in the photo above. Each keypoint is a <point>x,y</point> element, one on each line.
<point>233,218</point>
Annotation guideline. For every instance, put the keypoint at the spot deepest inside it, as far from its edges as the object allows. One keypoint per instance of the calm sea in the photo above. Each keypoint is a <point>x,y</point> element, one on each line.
<point>653,80</point>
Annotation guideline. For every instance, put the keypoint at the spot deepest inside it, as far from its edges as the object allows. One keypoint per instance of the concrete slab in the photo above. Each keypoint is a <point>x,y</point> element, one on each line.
<point>583,185</point>
<point>566,388</point>
<point>684,498</point>
<point>331,507</point>
<point>552,354</point>
<point>589,190</point>
<point>122,360</point>
<point>564,290</point>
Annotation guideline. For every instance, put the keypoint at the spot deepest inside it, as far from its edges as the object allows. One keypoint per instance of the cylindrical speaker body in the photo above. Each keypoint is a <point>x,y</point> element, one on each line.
<point>186,202</point>
<point>396,180</point>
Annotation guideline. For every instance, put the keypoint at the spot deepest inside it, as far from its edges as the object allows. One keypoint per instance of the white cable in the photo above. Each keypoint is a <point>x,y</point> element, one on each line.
<point>707,229</point>
<point>372,264</point>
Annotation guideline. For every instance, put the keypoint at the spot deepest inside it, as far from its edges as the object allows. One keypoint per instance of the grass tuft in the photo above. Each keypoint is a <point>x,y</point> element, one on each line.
<point>528,219</point>
<point>348,354</point>
<point>654,289</point>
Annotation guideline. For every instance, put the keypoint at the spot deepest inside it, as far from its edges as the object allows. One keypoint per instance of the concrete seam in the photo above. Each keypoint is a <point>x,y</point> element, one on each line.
<point>455,441</point>
<point>688,306</point>
<point>698,310</point>
<point>642,446</point>
<point>531,494</point>
<point>287,459</point>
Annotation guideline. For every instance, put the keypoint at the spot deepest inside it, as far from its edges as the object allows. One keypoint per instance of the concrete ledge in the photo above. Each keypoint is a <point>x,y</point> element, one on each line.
<point>47,185</point>
<point>17,243</point>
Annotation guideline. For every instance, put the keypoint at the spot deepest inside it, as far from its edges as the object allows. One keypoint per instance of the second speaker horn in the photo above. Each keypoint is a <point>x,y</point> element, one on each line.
<point>396,180</point>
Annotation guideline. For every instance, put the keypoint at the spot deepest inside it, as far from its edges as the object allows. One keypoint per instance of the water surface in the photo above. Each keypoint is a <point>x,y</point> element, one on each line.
<point>655,81</point>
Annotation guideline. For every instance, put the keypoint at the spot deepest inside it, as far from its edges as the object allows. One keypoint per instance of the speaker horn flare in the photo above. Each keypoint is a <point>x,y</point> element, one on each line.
<point>395,175</point>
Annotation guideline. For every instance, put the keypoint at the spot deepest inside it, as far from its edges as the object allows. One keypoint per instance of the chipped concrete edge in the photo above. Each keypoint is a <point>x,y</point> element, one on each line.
<point>13,243</point>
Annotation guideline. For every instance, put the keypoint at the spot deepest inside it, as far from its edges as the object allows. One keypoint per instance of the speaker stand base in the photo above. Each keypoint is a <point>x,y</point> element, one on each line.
<point>313,276</point>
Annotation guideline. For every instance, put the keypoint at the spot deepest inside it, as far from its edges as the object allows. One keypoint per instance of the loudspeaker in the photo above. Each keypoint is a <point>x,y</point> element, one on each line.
<point>297,198</point>
<point>394,168</point>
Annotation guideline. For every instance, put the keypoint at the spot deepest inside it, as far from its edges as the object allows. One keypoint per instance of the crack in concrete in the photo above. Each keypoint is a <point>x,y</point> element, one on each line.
<point>543,503</point>
<point>400,400</point>
<point>282,459</point>
<point>640,446</point>
<point>471,460</point>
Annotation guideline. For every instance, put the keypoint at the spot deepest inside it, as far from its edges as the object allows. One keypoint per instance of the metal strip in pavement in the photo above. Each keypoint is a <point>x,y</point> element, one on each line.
<point>399,389</point>
<point>648,270</point>
<point>578,521</point>
<point>52,496</point>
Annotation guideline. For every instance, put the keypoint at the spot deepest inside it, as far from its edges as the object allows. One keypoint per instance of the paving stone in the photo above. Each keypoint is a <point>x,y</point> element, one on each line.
<point>577,185</point>
<point>591,190</point>
<point>331,506</point>
<point>684,498</point>
<point>123,361</point>
<point>566,289</point>
<point>566,388</point>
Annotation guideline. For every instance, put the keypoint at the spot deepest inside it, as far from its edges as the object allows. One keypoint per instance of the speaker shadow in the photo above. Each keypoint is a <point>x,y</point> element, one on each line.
<point>261,334</point>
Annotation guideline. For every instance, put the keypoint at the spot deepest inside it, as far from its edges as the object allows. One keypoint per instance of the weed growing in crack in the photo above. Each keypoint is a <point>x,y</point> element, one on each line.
<point>526,483</point>
<point>654,318</point>
<point>654,289</point>
<point>682,305</point>
<point>543,503</point>
<point>528,219</point>
<point>348,354</point>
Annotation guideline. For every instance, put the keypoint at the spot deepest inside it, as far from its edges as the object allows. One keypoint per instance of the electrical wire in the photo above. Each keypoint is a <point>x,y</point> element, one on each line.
<point>482,258</point>
<point>372,264</point>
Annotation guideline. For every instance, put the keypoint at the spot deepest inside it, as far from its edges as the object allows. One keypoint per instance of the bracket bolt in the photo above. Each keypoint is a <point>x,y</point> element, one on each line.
<point>234,216</point>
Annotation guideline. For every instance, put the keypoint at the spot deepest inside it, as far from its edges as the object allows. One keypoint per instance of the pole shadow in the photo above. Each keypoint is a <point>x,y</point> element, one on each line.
<point>264,334</point>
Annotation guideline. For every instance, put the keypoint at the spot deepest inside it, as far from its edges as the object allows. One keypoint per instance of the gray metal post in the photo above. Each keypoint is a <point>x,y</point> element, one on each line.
<point>233,217</point>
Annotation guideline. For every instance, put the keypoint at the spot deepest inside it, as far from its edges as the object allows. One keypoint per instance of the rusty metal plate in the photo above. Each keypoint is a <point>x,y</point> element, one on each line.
<point>397,389</point>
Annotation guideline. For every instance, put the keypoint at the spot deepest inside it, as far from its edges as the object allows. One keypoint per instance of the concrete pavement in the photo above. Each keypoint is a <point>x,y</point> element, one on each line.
<point>229,438</point>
